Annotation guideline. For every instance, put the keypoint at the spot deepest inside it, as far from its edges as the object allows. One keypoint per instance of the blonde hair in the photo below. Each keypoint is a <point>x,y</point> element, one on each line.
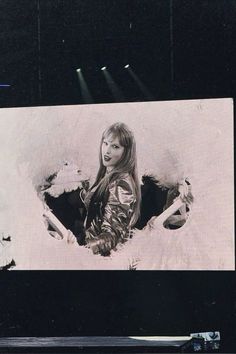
<point>127,164</point>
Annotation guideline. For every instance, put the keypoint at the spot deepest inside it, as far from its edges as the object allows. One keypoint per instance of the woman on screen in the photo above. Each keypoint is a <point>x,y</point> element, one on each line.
<point>113,202</point>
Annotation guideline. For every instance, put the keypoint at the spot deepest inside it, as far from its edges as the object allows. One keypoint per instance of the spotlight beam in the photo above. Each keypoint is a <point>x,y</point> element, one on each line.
<point>86,95</point>
<point>115,90</point>
<point>140,84</point>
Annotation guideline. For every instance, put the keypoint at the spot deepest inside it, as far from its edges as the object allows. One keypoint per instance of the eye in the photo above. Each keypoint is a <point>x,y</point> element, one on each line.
<point>115,146</point>
<point>105,143</point>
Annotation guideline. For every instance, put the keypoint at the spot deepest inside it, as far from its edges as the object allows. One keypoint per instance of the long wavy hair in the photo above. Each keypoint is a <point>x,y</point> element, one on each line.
<point>127,164</point>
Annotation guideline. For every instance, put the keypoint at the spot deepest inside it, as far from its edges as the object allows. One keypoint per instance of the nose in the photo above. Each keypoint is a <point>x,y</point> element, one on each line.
<point>108,149</point>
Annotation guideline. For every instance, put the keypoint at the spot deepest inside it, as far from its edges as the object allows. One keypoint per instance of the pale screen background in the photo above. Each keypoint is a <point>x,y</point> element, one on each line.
<point>175,139</point>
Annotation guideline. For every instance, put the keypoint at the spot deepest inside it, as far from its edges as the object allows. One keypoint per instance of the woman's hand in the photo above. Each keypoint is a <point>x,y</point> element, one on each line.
<point>70,238</point>
<point>94,247</point>
<point>99,247</point>
<point>185,193</point>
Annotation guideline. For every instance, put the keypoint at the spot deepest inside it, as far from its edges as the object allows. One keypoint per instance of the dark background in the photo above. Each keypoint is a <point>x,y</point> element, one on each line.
<point>179,49</point>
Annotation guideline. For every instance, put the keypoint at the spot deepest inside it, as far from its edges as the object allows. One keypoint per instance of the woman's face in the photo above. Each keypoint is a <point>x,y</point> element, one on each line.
<point>112,152</point>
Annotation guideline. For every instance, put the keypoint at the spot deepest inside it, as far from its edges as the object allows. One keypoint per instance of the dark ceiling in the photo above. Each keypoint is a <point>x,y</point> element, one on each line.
<point>177,48</point>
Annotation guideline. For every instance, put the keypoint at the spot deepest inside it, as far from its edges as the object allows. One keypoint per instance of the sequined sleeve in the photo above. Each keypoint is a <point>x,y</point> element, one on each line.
<point>115,226</point>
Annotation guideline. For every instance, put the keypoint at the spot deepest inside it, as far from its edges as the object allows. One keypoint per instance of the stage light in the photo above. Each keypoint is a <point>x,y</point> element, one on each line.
<point>85,93</point>
<point>126,66</point>
<point>4,85</point>
<point>140,84</point>
<point>114,88</point>
<point>103,68</point>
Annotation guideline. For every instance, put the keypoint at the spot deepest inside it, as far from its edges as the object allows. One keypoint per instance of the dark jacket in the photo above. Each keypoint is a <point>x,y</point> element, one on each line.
<point>109,220</point>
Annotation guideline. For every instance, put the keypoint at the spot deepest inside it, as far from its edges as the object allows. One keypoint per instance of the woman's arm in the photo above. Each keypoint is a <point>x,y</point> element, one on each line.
<point>103,236</point>
<point>182,190</point>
